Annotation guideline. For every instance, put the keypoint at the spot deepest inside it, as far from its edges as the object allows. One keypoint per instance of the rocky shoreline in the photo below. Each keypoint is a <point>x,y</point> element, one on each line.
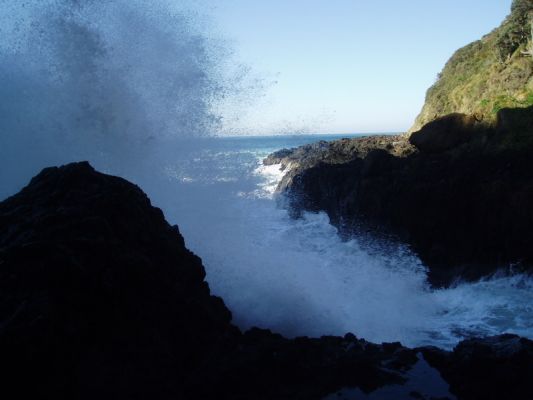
<point>99,298</point>
<point>458,187</point>
<point>458,191</point>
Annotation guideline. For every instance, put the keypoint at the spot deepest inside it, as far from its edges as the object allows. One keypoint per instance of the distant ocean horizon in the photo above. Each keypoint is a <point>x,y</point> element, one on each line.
<point>329,136</point>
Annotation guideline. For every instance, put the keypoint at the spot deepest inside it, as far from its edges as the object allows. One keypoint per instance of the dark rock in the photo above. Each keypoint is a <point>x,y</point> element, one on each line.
<point>499,367</point>
<point>463,206</point>
<point>515,128</point>
<point>98,293</point>
<point>445,133</point>
<point>336,152</point>
<point>99,298</point>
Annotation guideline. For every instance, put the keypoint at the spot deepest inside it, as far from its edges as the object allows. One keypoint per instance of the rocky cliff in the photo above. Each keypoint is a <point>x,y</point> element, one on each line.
<point>100,299</point>
<point>457,188</point>
<point>487,75</point>
<point>459,192</point>
<point>98,294</point>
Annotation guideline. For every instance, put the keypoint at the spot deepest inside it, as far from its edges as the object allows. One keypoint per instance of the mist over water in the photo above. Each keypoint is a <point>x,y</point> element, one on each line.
<point>133,86</point>
<point>104,80</point>
<point>298,277</point>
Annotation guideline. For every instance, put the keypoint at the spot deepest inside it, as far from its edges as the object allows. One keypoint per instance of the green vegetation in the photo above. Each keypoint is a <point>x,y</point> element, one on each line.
<point>487,75</point>
<point>504,101</point>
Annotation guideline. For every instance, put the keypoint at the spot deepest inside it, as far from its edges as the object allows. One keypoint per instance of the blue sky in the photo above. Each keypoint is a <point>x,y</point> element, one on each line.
<point>344,66</point>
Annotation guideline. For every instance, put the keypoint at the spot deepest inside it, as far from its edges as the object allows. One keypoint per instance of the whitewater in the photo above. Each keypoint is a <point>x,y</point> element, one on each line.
<point>299,278</point>
<point>136,87</point>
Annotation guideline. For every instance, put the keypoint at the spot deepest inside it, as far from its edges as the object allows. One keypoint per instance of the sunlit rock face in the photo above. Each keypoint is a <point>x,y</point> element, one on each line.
<point>487,75</point>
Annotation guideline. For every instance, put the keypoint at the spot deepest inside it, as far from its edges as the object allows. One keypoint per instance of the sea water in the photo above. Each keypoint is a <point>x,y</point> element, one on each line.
<point>298,277</point>
<point>134,87</point>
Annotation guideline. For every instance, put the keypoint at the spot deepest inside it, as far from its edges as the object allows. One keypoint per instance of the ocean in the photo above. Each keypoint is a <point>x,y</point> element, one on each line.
<point>141,105</point>
<point>297,276</point>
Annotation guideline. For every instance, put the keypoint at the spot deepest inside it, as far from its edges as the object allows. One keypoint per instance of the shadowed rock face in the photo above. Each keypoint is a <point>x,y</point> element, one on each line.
<point>445,133</point>
<point>97,290</point>
<point>491,368</point>
<point>461,197</point>
<point>100,299</point>
<point>338,152</point>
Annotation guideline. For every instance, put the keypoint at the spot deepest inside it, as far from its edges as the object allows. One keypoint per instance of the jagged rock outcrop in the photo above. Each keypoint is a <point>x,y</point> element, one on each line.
<point>490,368</point>
<point>294,161</point>
<point>487,75</point>
<point>457,186</point>
<point>98,293</point>
<point>99,298</point>
<point>447,132</point>
<point>461,198</point>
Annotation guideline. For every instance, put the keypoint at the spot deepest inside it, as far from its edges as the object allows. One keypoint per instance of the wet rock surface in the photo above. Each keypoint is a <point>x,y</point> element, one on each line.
<point>460,199</point>
<point>492,368</point>
<point>99,298</point>
<point>294,161</point>
<point>95,289</point>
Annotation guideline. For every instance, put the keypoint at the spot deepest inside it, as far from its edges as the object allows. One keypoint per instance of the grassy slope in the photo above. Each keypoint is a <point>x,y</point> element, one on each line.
<point>487,75</point>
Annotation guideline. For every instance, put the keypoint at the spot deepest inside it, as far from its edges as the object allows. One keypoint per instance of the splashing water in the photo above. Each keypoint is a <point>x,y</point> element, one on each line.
<point>107,81</point>
<point>133,87</point>
<point>298,277</point>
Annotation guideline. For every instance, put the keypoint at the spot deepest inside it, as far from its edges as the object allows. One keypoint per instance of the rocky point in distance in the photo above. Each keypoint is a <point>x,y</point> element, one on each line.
<point>99,297</point>
<point>459,188</point>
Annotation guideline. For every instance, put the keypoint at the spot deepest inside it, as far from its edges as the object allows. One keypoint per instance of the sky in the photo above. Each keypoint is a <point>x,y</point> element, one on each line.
<point>345,66</point>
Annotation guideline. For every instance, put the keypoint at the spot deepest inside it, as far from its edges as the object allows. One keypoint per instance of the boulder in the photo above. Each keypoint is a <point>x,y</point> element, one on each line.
<point>98,293</point>
<point>445,133</point>
<point>100,299</point>
<point>493,368</point>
